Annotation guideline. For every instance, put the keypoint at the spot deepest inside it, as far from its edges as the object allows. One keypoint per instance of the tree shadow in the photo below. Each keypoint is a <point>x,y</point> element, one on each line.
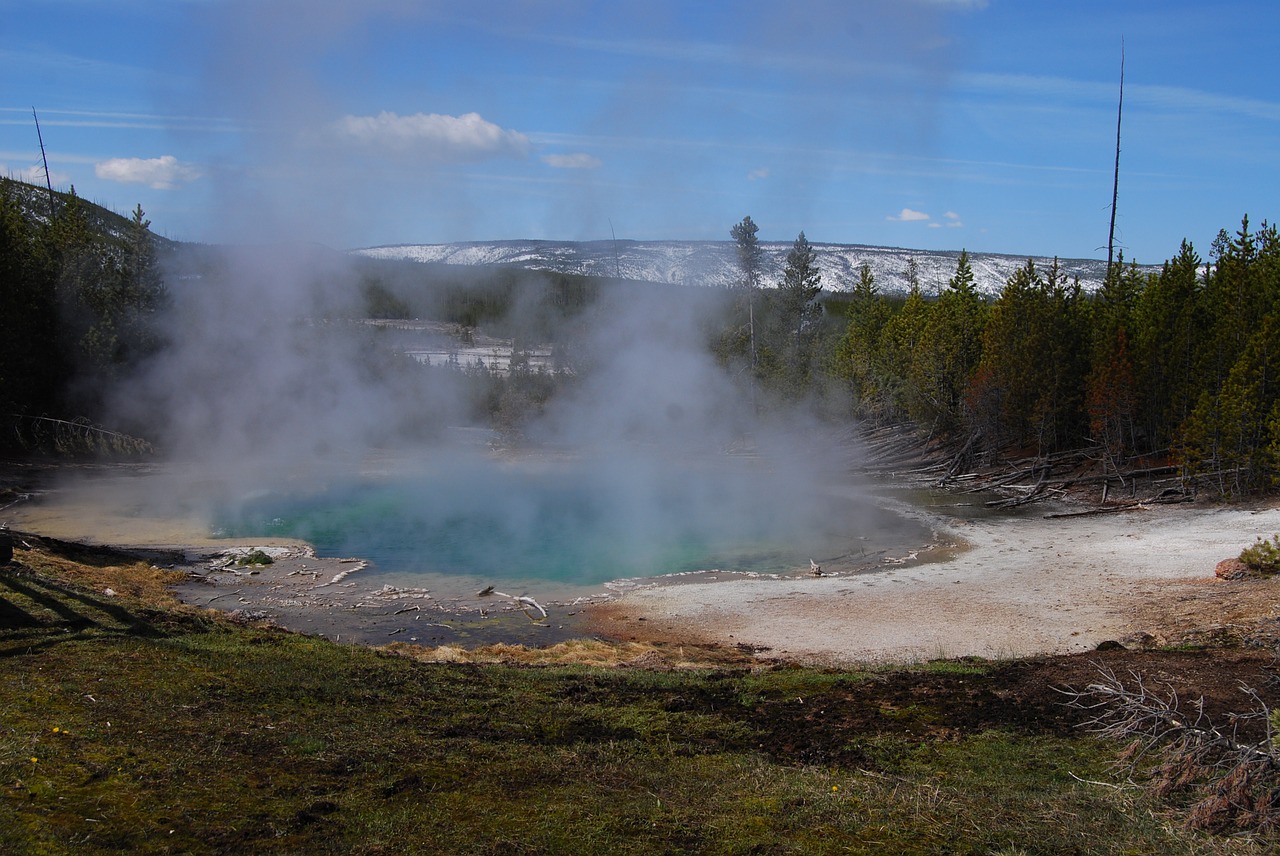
<point>36,612</point>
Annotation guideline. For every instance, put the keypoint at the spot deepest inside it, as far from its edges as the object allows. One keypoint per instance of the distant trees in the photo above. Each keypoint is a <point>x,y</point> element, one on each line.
<point>76,307</point>
<point>950,347</point>
<point>774,337</point>
<point>33,371</point>
<point>1180,367</point>
<point>1232,435</point>
<point>794,329</point>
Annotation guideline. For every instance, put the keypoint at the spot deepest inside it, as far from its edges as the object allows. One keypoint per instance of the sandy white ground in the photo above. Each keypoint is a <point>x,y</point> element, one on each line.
<point>1024,586</point>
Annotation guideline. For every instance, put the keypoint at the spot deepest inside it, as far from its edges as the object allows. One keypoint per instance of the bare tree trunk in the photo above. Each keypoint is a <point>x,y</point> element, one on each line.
<point>1115,184</point>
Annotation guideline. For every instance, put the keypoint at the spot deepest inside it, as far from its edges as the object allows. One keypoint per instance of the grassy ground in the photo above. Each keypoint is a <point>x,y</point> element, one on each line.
<point>132,725</point>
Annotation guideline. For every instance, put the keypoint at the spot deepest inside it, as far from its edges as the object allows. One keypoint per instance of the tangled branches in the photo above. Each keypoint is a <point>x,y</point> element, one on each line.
<point>1229,772</point>
<point>73,437</point>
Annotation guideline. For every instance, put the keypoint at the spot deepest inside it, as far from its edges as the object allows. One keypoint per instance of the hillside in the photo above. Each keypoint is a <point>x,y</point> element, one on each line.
<point>33,201</point>
<point>714,263</point>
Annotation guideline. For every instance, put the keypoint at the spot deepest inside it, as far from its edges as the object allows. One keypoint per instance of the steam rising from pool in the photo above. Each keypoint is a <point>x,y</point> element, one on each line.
<point>577,522</point>
<point>270,386</point>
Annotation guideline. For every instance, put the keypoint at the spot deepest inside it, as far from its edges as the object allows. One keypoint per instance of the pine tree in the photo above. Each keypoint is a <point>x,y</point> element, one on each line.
<point>899,349</point>
<point>797,314</point>
<point>855,358</point>
<point>950,349</point>
<point>1030,382</point>
<point>1169,325</point>
<point>1231,436</point>
<point>33,369</point>
<point>1111,396</point>
<point>1227,433</point>
<point>749,265</point>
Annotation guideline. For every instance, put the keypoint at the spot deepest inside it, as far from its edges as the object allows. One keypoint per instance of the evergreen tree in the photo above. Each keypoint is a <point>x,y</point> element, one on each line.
<point>797,313</point>
<point>750,256</point>
<point>1232,436</point>
<point>33,370</point>
<point>898,351</point>
<point>1029,385</point>
<point>749,262</point>
<point>1110,389</point>
<point>1227,436</point>
<point>856,360</point>
<point>1169,325</point>
<point>950,349</point>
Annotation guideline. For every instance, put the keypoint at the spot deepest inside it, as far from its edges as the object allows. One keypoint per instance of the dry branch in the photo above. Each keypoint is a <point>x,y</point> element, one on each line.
<point>1233,779</point>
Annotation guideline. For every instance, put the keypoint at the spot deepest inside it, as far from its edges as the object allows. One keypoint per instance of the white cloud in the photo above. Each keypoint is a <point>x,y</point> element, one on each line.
<point>578,160</point>
<point>163,173</point>
<point>953,219</point>
<point>909,216</point>
<point>440,137</point>
<point>757,174</point>
<point>34,174</point>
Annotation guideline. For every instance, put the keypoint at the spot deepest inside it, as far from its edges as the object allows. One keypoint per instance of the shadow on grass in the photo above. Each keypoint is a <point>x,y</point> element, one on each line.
<point>36,612</point>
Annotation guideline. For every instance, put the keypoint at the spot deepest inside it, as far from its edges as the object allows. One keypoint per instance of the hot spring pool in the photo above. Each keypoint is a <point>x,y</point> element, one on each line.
<point>578,525</point>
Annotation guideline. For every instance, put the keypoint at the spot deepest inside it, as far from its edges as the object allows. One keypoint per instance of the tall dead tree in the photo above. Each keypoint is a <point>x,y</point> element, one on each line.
<point>1115,183</point>
<point>48,182</point>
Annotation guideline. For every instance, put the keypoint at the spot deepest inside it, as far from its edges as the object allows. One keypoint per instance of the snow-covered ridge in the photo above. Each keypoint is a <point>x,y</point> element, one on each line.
<point>714,263</point>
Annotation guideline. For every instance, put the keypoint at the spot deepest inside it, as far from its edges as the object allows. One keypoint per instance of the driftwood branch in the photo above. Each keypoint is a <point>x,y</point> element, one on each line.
<point>1232,769</point>
<point>525,603</point>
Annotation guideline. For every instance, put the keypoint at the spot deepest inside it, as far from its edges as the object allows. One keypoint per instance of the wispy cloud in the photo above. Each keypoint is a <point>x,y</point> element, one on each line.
<point>162,173</point>
<point>577,160</point>
<point>758,174</point>
<point>907,215</point>
<point>1172,99</point>
<point>118,120</point>
<point>433,135</point>
<point>963,5</point>
<point>953,220</point>
<point>34,174</point>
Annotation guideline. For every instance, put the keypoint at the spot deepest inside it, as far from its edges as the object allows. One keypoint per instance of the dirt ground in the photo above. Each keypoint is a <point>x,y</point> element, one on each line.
<point>1008,587</point>
<point>994,587</point>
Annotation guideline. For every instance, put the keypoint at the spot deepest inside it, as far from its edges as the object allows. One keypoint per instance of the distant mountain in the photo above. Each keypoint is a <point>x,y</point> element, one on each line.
<point>714,263</point>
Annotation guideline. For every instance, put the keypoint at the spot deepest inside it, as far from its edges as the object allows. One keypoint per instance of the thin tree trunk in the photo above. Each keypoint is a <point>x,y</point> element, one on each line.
<point>1115,184</point>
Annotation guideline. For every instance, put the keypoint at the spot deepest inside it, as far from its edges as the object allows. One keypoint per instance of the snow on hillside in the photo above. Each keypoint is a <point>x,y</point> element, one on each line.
<point>714,263</point>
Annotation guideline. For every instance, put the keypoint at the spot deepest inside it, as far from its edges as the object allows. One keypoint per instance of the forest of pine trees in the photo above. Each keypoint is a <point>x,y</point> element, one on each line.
<point>76,311</point>
<point>1177,368</point>
<point>1181,367</point>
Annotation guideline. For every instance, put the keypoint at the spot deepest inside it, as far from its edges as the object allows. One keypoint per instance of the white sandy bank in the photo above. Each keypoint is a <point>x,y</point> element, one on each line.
<point>1025,586</point>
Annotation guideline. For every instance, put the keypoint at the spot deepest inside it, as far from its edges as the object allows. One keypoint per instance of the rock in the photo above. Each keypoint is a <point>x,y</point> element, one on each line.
<point>1231,569</point>
<point>1139,639</point>
<point>1109,645</point>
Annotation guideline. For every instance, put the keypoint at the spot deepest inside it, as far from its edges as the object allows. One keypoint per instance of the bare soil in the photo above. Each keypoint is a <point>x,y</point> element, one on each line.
<point>1006,587</point>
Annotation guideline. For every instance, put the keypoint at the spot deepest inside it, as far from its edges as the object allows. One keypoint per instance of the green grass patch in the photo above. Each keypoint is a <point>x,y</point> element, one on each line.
<point>128,730</point>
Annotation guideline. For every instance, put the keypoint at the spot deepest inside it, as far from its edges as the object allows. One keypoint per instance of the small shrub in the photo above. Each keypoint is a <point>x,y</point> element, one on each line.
<point>256,557</point>
<point>1264,556</point>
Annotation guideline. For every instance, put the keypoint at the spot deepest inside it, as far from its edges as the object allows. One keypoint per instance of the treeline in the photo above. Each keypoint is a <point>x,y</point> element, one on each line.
<point>508,302</point>
<point>76,311</point>
<point>1180,367</point>
<point>777,335</point>
<point>1176,368</point>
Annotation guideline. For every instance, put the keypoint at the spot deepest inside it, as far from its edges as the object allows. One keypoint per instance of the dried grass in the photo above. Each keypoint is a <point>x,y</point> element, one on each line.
<point>580,652</point>
<point>1231,784</point>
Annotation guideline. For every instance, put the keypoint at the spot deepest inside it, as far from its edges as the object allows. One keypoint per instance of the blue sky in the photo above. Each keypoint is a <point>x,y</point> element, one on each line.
<point>929,124</point>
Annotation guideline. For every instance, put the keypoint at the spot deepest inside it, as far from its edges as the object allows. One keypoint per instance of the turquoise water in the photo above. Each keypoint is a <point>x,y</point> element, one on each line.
<point>578,525</point>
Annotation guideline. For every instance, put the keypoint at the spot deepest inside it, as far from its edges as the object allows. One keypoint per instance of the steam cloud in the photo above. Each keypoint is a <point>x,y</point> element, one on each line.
<point>259,388</point>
